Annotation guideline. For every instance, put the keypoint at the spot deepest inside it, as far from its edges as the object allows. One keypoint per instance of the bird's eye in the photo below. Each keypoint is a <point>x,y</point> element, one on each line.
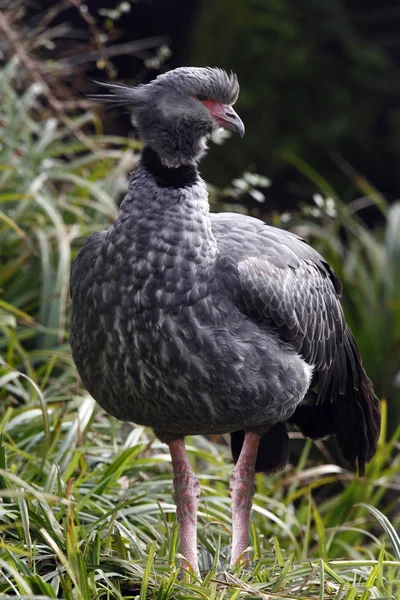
<point>202,97</point>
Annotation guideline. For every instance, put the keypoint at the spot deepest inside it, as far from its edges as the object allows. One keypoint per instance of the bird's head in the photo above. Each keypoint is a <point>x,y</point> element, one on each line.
<point>178,111</point>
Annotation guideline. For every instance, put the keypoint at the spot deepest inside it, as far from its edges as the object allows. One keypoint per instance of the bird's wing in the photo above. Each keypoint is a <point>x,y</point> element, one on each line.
<point>288,288</point>
<point>285,285</point>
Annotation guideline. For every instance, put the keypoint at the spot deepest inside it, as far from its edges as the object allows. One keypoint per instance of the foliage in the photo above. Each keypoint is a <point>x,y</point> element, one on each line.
<point>85,501</point>
<point>87,513</point>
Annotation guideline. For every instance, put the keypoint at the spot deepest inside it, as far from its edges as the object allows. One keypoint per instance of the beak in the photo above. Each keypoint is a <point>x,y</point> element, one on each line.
<point>227,118</point>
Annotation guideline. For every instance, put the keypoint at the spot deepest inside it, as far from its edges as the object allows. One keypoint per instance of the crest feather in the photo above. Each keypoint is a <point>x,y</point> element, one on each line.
<point>120,94</point>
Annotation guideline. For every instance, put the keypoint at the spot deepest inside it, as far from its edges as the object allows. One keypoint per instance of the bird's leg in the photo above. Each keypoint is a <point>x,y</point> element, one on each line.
<point>186,496</point>
<point>242,488</point>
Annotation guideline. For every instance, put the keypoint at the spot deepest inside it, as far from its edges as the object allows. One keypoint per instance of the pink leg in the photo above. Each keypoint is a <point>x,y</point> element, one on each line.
<point>242,491</point>
<point>186,496</point>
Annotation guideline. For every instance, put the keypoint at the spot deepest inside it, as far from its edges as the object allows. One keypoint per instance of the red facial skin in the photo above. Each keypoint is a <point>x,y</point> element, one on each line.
<point>224,116</point>
<point>217,110</point>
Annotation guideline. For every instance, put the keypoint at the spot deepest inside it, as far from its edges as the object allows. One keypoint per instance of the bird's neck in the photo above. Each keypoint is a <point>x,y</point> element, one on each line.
<point>167,212</point>
<point>169,173</point>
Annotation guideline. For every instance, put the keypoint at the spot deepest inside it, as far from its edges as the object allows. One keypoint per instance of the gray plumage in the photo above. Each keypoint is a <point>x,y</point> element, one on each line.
<point>197,323</point>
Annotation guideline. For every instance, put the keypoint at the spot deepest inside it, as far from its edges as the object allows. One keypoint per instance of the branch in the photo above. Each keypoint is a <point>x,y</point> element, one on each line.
<point>34,72</point>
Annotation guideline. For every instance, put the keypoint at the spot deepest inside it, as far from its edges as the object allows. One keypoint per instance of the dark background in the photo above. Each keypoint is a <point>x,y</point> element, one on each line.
<point>319,80</point>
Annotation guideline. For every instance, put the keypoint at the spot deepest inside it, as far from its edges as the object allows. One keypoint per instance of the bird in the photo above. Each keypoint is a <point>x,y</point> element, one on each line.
<point>196,323</point>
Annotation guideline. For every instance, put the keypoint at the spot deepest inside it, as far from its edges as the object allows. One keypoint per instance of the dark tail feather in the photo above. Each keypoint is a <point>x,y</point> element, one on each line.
<point>273,451</point>
<point>353,416</point>
<point>358,418</point>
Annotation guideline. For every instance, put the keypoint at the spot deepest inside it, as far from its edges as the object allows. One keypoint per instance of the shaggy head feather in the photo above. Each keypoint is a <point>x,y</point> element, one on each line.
<point>212,82</point>
<point>178,111</point>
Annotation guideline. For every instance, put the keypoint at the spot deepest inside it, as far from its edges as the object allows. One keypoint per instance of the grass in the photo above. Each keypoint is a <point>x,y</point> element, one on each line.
<point>86,512</point>
<point>85,501</point>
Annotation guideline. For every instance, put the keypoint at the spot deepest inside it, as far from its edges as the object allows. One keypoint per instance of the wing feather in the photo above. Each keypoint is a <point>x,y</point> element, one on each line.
<point>297,303</point>
<point>290,289</point>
